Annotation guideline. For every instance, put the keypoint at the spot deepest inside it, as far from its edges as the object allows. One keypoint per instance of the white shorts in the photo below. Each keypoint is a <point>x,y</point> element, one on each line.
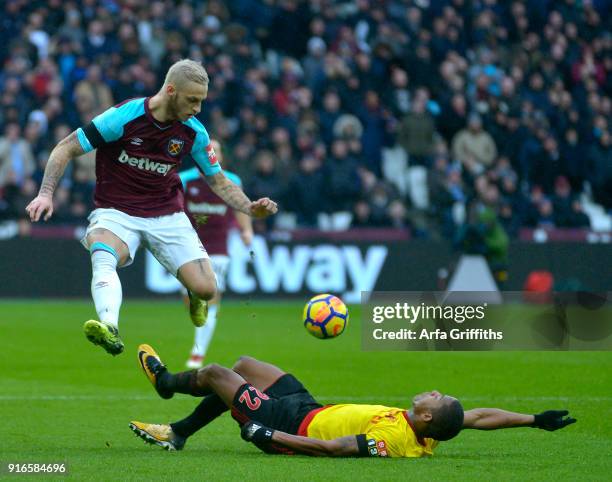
<point>171,238</point>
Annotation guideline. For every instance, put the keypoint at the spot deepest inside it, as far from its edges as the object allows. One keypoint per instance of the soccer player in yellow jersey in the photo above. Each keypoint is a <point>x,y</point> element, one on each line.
<point>279,416</point>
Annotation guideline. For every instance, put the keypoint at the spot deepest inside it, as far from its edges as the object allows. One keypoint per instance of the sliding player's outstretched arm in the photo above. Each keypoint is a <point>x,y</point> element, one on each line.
<point>238,200</point>
<point>495,418</point>
<point>340,447</point>
<point>67,149</point>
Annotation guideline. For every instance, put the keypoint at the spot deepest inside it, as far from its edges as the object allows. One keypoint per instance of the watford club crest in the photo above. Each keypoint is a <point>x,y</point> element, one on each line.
<point>175,146</point>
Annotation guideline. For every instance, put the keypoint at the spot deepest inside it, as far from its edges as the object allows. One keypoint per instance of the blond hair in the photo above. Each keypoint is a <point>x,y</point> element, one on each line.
<point>186,71</point>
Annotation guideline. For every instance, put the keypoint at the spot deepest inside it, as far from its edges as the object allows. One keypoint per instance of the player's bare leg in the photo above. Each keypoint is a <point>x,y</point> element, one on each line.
<point>259,374</point>
<point>107,253</point>
<point>199,279</point>
<point>221,383</point>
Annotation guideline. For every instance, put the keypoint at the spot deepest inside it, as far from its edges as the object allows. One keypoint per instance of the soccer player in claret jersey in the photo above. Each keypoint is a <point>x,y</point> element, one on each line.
<point>138,196</point>
<point>212,220</point>
<point>279,416</point>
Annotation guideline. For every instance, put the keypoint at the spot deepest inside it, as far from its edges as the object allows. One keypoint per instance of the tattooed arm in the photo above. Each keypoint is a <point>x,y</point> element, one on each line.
<point>235,197</point>
<point>68,148</point>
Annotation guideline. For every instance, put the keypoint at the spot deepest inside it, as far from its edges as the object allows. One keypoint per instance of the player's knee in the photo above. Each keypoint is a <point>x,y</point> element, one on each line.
<point>243,364</point>
<point>211,373</point>
<point>105,240</point>
<point>204,289</point>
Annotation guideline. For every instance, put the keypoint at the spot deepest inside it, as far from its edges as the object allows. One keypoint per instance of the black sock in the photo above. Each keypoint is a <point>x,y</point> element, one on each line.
<point>210,408</point>
<point>183,382</point>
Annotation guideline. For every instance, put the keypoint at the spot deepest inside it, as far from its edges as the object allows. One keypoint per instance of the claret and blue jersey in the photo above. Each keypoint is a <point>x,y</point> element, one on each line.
<point>138,157</point>
<point>200,200</point>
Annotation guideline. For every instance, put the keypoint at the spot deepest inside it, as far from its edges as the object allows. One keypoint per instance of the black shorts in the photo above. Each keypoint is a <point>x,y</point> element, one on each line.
<point>282,406</point>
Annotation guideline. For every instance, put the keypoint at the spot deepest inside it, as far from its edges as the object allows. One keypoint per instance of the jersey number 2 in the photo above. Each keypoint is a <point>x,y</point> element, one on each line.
<point>255,402</point>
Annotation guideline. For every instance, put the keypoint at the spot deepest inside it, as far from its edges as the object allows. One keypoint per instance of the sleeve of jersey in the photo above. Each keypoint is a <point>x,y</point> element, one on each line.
<point>189,175</point>
<point>108,126</point>
<point>204,155</point>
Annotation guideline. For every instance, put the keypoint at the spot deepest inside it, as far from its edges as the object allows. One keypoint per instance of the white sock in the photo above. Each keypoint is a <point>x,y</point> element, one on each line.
<point>204,334</point>
<point>106,287</point>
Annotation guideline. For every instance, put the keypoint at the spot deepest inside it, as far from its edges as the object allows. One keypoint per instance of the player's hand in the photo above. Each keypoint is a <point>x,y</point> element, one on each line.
<point>552,420</point>
<point>256,432</point>
<point>264,207</point>
<point>39,206</point>
<point>246,235</point>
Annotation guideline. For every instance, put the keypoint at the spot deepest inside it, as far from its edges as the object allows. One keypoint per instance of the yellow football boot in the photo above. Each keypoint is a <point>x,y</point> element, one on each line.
<point>153,368</point>
<point>161,435</point>
<point>105,335</point>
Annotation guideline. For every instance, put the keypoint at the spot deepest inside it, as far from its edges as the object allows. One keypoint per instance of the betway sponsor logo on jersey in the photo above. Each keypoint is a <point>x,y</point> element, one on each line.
<point>145,164</point>
<point>207,208</point>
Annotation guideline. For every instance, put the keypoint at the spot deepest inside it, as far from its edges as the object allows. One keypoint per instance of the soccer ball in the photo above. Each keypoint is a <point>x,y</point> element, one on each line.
<point>325,316</point>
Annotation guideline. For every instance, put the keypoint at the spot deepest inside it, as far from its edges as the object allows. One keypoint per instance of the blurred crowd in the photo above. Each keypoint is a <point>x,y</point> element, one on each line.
<point>396,113</point>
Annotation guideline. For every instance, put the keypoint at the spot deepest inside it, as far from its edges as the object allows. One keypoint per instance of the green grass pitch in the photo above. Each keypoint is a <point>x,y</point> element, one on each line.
<point>62,399</point>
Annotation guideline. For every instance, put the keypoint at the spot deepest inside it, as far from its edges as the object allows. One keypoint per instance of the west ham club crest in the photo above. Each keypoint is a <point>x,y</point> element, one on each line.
<point>175,146</point>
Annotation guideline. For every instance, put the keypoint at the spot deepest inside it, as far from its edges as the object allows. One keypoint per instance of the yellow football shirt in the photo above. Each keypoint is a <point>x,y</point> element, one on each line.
<point>387,430</point>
